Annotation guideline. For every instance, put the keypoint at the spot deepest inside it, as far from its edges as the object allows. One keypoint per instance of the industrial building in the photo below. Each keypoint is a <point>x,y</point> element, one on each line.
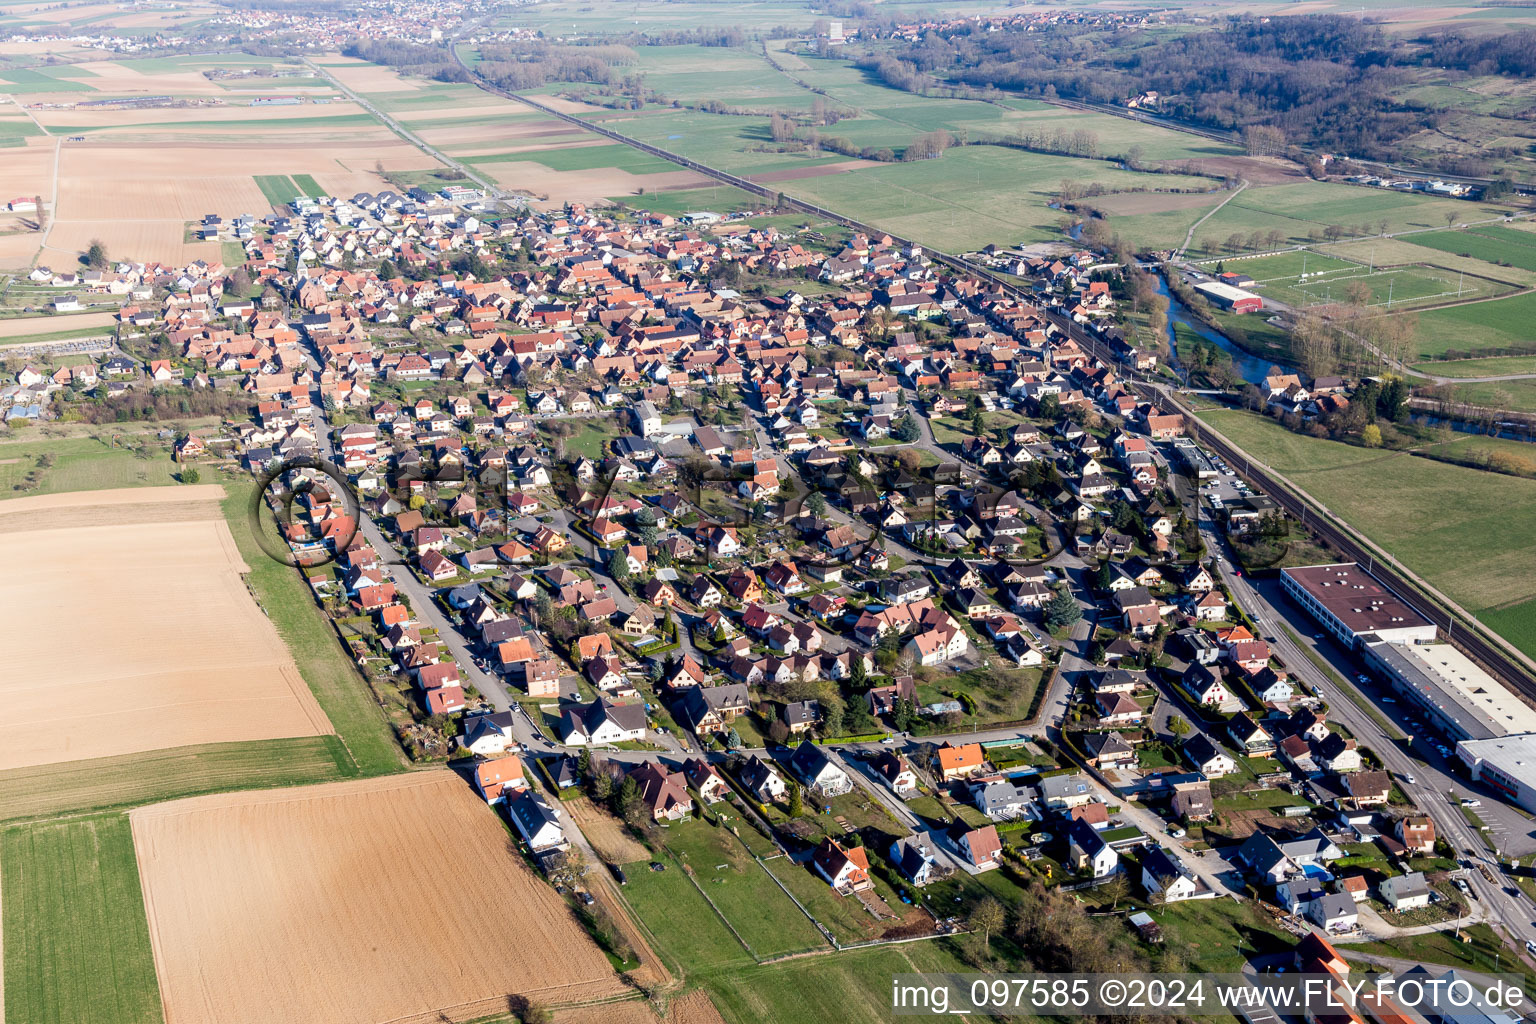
<point>1507,764</point>
<point>1227,297</point>
<point>1458,698</point>
<point>1352,604</point>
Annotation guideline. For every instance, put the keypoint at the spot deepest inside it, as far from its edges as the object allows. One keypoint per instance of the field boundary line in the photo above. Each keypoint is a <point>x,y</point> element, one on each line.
<point>811,917</point>
<point>687,871</point>
<point>1189,236</point>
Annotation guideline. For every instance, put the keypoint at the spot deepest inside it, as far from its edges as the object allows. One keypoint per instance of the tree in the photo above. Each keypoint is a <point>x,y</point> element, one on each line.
<point>1178,726</point>
<point>1371,436</point>
<point>816,504</point>
<point>1103,577</point>
<point>1115,890</point>
<point>96,254</point>
<point>858,675</point>
<point>190,475</point>
<point>618,567</point>
<point>904,714</point>
<point>1062,610</point>
<point>979,423</point>
<point>986,917</point>
<point>792,791</point>
<point>906,429</point>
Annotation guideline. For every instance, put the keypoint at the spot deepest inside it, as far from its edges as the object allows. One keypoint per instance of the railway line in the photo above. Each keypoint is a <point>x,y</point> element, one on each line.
<point>1490,655</point>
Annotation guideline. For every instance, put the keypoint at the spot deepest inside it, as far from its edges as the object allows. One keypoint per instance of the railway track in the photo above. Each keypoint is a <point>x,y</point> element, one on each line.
<point>1487,654</point>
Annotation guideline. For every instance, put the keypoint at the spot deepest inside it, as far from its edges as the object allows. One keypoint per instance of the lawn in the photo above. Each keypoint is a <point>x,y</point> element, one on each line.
<point>75,936</point>
<point>1474,327</point>
<point>1219,935</point>
<point>766,919</point>
<point>844,916</point>
<point>80,464</point>
<point>331,676</point>
<point>1465,530</point>
<point>130,780</point>
<point>591,438</point>
<point>689,935</point>
<point>856,985</point>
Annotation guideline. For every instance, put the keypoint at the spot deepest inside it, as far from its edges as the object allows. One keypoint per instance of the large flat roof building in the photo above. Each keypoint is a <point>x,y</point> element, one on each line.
<point>1460,699</point>
<point>1352,604</point>
<point>1507,764</point>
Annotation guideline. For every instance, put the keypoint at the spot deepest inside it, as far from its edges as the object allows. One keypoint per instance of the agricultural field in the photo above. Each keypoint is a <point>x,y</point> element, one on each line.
<point>334,873</point>
<point>123,172</point>
<point>180,654</point>
<point>1474,327</point>
<point>76,945</point>
<point>1300,209</point>
<point>1464,530</point>
<point>1494,243</point>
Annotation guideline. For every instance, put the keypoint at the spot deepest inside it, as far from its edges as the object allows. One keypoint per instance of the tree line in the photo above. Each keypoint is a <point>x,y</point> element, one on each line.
<point>1316,80</point>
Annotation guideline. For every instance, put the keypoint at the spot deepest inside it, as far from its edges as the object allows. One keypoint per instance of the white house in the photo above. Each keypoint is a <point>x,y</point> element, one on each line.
<point>536,822</point>
<point>1405,892</point>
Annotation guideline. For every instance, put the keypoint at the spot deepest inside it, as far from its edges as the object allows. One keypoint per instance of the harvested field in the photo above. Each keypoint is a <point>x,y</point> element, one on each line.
<point>118,79</point>
<point>180,654</point>
<point>556,187</point>
<point>131,240</point>
<point>796,173</point>
<point>312,905</point>
<point>606,833</point>
<point>259,117</point>
<point>693,1008</point>
<point>137,200</point>
<point>373,78</point>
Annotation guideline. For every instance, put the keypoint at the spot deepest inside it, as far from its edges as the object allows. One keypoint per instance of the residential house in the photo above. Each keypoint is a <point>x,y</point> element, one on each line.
<point>1089,851</point>
<point>845,869</point>
<point>817,770</point>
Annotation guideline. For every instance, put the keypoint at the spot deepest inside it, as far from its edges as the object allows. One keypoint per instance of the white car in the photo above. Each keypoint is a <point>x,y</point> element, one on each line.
<point>1177,833</point>
<point>1410,780</point>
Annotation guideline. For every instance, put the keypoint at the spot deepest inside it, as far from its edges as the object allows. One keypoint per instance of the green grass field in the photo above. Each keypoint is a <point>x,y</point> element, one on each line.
<point>1298,209</point>
<point>1464,530</point>
<point>1490,242</point>
<point>131,780</point>
<point>1390,289</point>
<point>81,464</point>
<point>690,935</point>
<point>308,186</point>
<point>1514,395</point>
<point>766,919</point>
<point>279,189</point>
<point>1479,325</point>
<point>76,939</point>
<point>1491,366</point>
<point>584,158</point>
<point>332,678</point>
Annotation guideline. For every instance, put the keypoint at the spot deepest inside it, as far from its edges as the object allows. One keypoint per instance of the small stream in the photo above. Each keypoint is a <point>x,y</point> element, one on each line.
<point>1250,367</point>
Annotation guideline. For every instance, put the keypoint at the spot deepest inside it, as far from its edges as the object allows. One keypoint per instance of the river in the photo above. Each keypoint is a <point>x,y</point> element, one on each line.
<point>1250,367</point>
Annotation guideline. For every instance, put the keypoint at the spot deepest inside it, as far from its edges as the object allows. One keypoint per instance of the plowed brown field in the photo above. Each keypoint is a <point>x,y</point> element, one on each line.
<point>137,632</point>
<point>394,899</point>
